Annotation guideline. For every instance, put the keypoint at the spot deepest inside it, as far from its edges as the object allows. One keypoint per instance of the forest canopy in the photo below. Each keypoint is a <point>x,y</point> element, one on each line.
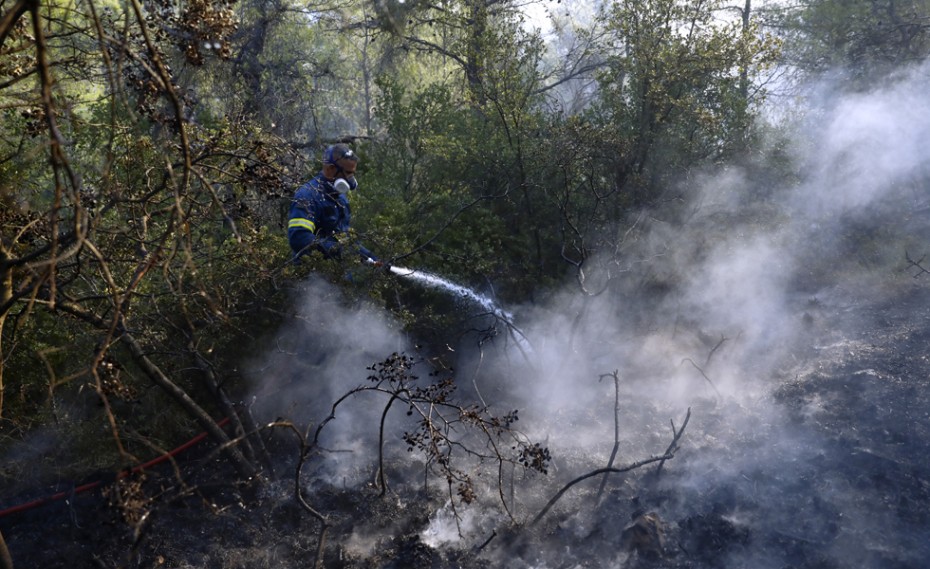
<point>149,151</point>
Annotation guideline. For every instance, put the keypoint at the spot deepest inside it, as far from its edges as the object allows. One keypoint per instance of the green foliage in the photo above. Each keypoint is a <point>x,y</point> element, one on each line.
<point>126,222</point>
<point>156,206</point>
<point>498,189</point>
<point>865,39</point>
<point>677,93</point>
<point>449,188</point>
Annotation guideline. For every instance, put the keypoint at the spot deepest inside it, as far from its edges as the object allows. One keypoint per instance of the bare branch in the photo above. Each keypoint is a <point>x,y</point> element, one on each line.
<point>13,15</point>
<point>669,454</point>
<point>916,264</point>
<point>704,375</point>
<point>599,471</point>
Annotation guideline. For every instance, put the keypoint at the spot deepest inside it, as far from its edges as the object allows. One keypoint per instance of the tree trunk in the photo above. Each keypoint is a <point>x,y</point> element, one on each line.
<point>6,295</point>
<point>744,71</point>
<point>474,68</point>
<point>248,63</point>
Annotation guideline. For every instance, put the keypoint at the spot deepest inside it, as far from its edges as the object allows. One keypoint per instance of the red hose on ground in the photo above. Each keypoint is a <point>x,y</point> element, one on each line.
<point>122,474</point>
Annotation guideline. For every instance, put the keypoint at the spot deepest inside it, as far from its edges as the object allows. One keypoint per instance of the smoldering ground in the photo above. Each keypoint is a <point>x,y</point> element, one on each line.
<point>762,287</point>
<point>767,284</point>
<point>766,297</point>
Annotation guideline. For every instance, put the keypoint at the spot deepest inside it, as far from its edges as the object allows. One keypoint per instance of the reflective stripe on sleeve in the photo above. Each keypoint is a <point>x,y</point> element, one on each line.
<point>301,223</point>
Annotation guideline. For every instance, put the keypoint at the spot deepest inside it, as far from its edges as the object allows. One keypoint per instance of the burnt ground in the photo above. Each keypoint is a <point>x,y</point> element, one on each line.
<point>838,476</point>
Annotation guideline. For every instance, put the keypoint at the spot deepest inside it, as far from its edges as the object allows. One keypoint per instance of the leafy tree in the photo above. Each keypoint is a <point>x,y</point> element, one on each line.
<point>673,97</point>
<point>297,67</point>
<point>132,239</point>
<point>461,143</point>
<point>865,39</point>
<point>148,155</point>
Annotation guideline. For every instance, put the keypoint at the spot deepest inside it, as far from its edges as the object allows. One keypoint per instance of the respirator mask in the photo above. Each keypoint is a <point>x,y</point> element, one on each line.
<point>342,186</point>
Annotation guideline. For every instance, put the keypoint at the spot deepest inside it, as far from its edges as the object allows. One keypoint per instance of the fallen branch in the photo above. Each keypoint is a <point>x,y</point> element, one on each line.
<point>669,454</point>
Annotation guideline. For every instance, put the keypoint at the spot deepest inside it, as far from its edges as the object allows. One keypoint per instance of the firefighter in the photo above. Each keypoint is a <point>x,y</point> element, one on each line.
<point>320,212</point>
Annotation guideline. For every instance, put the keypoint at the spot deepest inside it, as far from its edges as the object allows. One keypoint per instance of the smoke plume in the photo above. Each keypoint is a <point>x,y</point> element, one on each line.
<point>716,314</point>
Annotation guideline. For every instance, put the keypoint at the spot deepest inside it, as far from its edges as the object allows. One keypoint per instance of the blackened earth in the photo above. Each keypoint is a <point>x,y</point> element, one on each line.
<point>838,477</point>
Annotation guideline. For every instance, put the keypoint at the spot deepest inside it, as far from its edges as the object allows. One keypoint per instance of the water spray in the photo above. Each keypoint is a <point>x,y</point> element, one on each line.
<point>435,281</point>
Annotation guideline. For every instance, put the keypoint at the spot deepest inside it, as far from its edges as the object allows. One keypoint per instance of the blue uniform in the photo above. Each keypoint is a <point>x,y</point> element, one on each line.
<point>318,215</point>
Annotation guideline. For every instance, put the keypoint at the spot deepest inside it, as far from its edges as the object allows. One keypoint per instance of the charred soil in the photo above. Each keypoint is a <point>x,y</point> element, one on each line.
<point>838,477</point>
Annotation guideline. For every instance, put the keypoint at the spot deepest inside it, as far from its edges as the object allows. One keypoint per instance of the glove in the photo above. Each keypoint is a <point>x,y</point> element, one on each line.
<point>368,256</point>
<point>331,248</point>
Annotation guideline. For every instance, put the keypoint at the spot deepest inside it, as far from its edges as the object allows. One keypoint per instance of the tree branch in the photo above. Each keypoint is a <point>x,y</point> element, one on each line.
<point>12,16</point>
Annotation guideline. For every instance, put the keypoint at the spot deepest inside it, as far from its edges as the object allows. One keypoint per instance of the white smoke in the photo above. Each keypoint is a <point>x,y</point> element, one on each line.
<point>323,353</point>
<point>753,261</point>
<point>733,324</point>
<point>868,147</point>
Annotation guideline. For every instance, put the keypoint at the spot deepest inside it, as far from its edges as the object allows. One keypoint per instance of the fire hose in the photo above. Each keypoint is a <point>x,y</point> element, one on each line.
<point>122,474</point>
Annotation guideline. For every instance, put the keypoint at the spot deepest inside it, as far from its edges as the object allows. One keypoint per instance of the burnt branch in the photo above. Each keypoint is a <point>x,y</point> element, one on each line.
<point>449,435</point>
<point>382,483</point>
<point>669,454</point>
<point>704,375</point>
<point>305,448</point>
<point>305,451</point>
<point>676,436</point>
<point>613,453</point>
<point>713,350</point>
<point>916,265</point>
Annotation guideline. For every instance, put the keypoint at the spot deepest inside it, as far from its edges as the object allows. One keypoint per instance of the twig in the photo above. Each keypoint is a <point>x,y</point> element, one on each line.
<point>715,348</point>
<point>689,360</point>
<point>382,483</point>
<point>917,264</point>
<point>252,427</point>
<point>591,474</point>
<point>673,446</point>
<point>305,448</point>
